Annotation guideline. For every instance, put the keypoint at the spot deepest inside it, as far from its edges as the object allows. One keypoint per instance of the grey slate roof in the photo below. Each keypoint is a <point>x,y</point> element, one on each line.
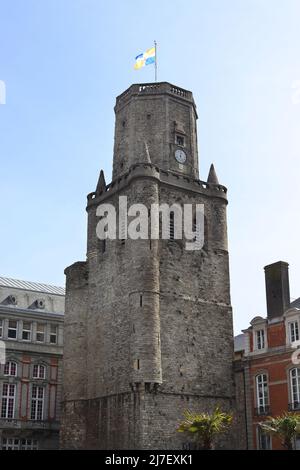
<point>295,303</point>
<point>33,286</point>
<point>239,342</point>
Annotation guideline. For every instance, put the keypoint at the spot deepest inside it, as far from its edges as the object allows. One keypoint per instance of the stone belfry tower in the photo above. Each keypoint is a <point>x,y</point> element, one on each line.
<point>148,324</point>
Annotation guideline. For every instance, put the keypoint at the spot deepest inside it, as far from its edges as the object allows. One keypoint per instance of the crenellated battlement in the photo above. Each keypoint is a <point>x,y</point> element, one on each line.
<point>141,89</point>
<point>148,170</point>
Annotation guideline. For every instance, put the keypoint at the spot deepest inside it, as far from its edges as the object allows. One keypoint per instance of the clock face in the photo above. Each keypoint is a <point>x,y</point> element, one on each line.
<point>180,156</point>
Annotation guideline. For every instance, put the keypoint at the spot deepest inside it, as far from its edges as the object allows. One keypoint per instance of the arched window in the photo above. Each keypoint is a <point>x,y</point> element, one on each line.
<point>39,371</point>
<point>10,368</point>
<point>295,388</point>
<point>262,394</point>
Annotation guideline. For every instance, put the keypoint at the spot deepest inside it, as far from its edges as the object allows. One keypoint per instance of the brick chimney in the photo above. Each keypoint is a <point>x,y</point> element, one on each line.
<point>277,288</point>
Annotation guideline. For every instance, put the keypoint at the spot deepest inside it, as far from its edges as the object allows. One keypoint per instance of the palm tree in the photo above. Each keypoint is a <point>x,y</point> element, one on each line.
<point>204,427</point>
<point>286,427</point>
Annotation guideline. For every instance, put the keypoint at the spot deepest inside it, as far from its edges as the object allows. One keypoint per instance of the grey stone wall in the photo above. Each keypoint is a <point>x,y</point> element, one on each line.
<point>158,304</point>
<point>153,116</point>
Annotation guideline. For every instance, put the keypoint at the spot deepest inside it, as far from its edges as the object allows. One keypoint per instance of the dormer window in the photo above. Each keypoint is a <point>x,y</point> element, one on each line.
<point>179,140</point>
<point>260,339</point>
<point>294,331</point>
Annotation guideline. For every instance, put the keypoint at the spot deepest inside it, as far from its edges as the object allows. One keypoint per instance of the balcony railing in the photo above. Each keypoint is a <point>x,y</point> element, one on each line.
<point>21,424</point>
<point>294,406</point>
<point>262,411</point>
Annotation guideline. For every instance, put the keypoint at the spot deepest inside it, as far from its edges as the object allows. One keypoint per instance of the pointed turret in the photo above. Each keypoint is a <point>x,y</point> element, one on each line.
<point>212,176</point>
<point>101,186</point>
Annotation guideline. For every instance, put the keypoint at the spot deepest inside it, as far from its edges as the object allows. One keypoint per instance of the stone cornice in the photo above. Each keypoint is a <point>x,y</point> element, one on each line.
<point>170,178</point>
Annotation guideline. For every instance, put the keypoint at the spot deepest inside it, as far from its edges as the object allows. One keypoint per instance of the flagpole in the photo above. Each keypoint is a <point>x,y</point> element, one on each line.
<point>155,45</point>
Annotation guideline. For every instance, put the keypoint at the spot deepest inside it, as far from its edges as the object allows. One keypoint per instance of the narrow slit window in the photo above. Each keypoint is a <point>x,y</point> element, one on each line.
<point>172,226</point>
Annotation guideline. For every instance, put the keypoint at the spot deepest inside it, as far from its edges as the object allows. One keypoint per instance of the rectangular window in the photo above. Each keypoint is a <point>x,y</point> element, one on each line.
<point>294,331</point>
<point>264,440</point>
<point>8,401</point>
<point>37,403</point>
<point>40,332</point>
<point>1,327</point>
<point>262,395</point>
<point>12,329</point>
<point>53,334</point>
<point>180,140</point>
<point>295,388</point>
<point>29,444</point>
<point>26,333</point>
<point>10,443</point>
<point>260,339</point>
<point>10,368</point>
<point>39,371</point>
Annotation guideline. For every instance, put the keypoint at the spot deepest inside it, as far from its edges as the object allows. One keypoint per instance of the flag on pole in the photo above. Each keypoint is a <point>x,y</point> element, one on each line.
<point>146,58</point>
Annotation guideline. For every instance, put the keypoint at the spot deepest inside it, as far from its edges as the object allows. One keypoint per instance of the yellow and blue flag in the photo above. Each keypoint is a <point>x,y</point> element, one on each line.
<point>146,58</point>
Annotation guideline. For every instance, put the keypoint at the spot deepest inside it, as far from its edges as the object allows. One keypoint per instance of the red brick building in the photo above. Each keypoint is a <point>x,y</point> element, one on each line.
<point>270,360</point>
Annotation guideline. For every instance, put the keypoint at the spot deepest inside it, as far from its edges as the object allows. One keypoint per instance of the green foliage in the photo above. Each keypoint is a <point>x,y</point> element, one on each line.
<point>286,427</point>
<point>204,427</point>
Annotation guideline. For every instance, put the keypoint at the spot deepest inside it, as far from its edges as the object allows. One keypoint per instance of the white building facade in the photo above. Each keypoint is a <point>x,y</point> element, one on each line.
<point>31,348</point>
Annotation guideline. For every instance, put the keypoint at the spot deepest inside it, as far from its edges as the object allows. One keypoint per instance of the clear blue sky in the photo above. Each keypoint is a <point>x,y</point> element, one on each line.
<point>65,61</point>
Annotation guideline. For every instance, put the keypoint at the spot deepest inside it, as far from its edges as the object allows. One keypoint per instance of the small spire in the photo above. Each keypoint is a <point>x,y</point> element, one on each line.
<point>101,186</point>
<point>212,176</point>
<point>147,153</point>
